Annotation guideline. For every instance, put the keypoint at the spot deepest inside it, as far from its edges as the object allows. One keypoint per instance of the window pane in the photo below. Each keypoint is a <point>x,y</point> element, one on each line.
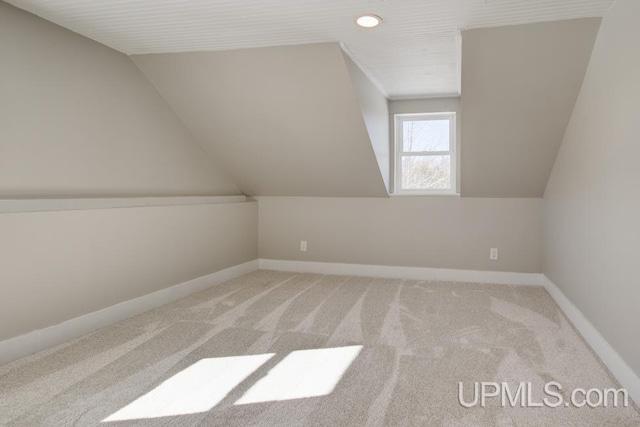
<point>426,173</point>
<point>425,135</point>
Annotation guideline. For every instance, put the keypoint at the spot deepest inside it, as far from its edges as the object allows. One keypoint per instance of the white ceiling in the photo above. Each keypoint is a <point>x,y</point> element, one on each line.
<point>414,53</point>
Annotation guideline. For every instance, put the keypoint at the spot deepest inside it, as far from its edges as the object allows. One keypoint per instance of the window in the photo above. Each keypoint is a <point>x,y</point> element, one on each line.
<point>425,153</point>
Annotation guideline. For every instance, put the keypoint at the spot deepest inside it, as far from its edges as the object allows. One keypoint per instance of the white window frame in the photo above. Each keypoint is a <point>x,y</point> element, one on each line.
<point>399,153</point>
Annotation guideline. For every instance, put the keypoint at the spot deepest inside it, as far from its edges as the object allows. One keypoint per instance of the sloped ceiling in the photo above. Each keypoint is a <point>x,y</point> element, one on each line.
<point>519,87</point>
<point>286,121</point>
<point>415,52</point>
<point>78,119</point>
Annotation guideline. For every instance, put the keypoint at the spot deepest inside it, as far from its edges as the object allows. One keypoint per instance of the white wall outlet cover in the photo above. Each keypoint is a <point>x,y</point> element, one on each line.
<point>493,254</point>
<point>303,245</point>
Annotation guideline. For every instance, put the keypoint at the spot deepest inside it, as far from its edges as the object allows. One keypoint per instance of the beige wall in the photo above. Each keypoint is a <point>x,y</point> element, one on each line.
<point>285,119</point>
<point>592,201</point>
<point>444,232</point>
<point>375,112</point>
<point>519,86</point>
<point>60,265</point>
<point>79,119</point>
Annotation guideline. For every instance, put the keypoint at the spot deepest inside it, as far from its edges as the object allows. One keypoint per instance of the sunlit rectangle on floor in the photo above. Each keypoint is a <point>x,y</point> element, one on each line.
<point>194,390</point>
<point>303,373</point>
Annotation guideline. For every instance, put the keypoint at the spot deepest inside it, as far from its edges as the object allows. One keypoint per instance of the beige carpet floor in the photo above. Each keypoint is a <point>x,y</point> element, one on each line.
<point>284,349</point>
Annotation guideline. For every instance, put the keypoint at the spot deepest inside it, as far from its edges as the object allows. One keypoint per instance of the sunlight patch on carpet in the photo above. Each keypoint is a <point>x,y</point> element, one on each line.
<point>196,389</point>
<point>303,373</point>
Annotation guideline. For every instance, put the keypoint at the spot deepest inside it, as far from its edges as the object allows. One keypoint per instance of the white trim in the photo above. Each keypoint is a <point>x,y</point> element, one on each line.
<point>417,273</point>
<point>609,356</point>
<point>42,205</point>
<point>422,193</point>
<point>425,193</point>
<point>459,60</point>
<point>39,340</point>
<point>429,96</point>
<point>611,359</point>
<point>399,153</point>
<point>42,339</point>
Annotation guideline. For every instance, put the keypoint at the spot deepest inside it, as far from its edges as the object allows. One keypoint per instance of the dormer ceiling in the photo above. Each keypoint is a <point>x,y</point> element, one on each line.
<point>415,52</point>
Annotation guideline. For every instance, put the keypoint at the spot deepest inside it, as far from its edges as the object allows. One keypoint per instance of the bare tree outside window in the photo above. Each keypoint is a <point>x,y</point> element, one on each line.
<point>425,147</point>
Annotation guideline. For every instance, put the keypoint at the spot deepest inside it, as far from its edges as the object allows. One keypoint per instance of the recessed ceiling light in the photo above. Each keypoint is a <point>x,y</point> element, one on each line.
<point>369,21</point>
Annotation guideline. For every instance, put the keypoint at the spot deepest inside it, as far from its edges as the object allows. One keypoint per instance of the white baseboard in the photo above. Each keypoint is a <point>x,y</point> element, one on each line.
<point>42,339</point>
<point>417,273</point>
<point>35,341</point>
<point>616,365</point>
<point>609,356</point>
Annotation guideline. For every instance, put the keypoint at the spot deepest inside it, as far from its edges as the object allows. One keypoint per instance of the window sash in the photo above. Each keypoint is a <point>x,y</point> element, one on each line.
<point>425,153</point>
<point>400,153</point>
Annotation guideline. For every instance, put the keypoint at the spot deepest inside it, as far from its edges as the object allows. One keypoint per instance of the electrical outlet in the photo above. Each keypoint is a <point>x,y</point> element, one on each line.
<point>493,254</point>
<point>303,246</point>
